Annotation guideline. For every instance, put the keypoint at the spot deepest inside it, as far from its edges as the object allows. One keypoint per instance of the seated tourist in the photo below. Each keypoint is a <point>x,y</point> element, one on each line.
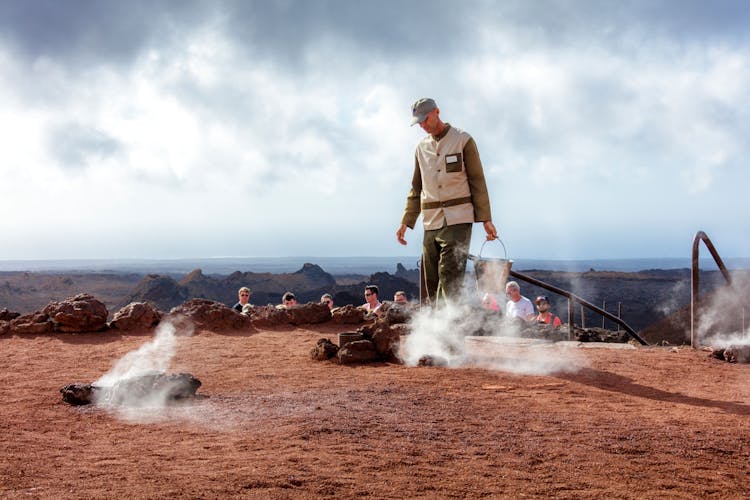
<point>372,304</point>
<point>288,300</point>
<point>517,306</point>
<point>327,299</point>
<point>490,302</point>
<point>244,298</point>
<point>545,316</point>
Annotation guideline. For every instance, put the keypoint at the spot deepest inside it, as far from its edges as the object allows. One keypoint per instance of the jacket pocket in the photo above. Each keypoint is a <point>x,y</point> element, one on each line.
<point>454,162</point>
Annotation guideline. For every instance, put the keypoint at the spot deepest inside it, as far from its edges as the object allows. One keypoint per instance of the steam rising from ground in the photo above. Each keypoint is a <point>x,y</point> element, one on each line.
<point>441,333</point>
<point>725,320</point>
<point>151,358</point>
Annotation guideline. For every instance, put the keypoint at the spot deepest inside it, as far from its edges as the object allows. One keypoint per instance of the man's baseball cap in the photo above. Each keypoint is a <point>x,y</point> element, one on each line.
<point>421,109</point>
<point>541,298</point>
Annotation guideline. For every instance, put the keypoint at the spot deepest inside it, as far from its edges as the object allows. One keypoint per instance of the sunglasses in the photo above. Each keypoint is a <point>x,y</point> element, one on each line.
<point>368,293</point>
<point>326,302</point>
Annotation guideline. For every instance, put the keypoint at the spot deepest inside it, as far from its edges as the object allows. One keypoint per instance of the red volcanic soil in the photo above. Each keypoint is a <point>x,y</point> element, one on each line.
<point>642,423</point>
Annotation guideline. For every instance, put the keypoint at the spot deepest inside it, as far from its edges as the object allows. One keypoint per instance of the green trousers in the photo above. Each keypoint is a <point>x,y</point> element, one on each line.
<point>444,253</point>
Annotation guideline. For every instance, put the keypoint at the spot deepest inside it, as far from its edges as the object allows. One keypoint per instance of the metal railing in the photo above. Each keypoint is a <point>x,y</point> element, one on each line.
<point>572,299</point>
<point>694,278</point>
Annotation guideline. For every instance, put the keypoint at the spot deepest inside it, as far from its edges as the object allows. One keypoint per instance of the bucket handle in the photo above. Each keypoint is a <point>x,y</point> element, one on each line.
<point>505,251</point>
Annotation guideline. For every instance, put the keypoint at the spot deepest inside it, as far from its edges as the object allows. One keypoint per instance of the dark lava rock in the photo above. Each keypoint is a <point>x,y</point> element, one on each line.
<point>134,391</point>
<point>360,351</point>
<point>348,315</point>
<point>79,394</point>
<point>429,360</point>
<point>599,335</point>
<point>323,350</point>
<point>212,315</point>
<point>82,313</point>
<point>395,313</point>
<point>136,316</point>
<point>733,353</point>
<point>6,315</point>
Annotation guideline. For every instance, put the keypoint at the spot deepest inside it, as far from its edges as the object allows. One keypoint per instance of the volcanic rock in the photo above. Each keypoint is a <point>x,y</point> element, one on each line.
<point>429,360</point>
<point>206,313</point>
<point>6,315</point>
<point>323,350</point>
<point>34,323</point>
<point>269,315</point>
<point>79,394</point>
<point>310,313</point>
<point>146,389</point>
<point>733,353</point>
<point>136,316</point>
<point>360,351</point>
<point>395,313</point>
<point>598,335</point>
<point>82,313</point>
<point>348,315</point>
<point>383,337</point>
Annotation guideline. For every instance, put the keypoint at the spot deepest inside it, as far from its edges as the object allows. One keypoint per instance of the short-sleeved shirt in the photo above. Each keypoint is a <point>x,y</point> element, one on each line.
<point>521,309</point>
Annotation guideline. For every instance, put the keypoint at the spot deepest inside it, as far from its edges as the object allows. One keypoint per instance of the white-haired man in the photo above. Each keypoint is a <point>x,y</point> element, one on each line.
<point>518,306</point>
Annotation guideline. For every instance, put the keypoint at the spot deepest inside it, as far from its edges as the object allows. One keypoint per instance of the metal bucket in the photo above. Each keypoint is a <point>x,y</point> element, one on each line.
<point>492,273</point>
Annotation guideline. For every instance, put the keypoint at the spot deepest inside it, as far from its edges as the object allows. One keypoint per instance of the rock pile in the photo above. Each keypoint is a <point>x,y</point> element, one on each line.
<point>732,353</point>
<point>82,313</point>
<point>134,391</point>
<point>204,313</point>
<point>136,316</point>
<point>270,315</point>
<point>377,340</point>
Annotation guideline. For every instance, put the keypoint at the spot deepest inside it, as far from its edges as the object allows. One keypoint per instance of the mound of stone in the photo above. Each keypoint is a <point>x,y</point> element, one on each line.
<point>310,313</point>
<point>395,313</point>
<point>732,353</point>
<point>324,349</point>
<point>348,315</point>
<point>32,324</point>
<point>136,316</point>
<point>6,315</point>
<point>145,389</point>
<point>384,336</point>
<point>359,351</point>
<point>430,360</point>
<point>79,314</point>
<point>208,314</point>
<point>269,315</point>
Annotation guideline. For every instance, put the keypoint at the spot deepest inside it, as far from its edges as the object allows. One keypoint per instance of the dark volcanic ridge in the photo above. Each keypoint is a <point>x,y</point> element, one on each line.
<point>308,284</point>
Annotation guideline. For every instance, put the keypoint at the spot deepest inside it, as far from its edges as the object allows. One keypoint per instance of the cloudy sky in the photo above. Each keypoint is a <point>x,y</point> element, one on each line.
<point>281,128</point>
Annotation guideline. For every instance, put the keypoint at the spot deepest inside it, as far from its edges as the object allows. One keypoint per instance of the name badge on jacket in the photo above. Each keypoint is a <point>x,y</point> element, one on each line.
<point>453,163</point>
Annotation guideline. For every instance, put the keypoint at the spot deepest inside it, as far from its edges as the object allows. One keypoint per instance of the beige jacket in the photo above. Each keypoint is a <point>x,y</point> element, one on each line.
<point>448,185</point>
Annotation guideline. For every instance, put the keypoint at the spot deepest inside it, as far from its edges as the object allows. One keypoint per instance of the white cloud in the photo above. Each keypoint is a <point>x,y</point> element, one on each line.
<point>583,132</point>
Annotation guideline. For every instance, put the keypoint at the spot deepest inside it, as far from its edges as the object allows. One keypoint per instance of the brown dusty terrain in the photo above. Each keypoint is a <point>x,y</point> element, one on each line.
<point>642,423</point>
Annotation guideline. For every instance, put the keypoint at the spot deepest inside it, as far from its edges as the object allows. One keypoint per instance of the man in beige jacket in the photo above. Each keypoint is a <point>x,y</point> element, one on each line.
<point>449,190</point>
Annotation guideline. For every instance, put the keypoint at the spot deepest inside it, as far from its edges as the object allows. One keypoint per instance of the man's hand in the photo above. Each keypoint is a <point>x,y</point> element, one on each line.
<point>400,233</point>
<point>489,228</point>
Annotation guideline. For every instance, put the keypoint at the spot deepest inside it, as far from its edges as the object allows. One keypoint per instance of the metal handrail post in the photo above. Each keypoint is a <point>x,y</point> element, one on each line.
<point>695,278</point>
